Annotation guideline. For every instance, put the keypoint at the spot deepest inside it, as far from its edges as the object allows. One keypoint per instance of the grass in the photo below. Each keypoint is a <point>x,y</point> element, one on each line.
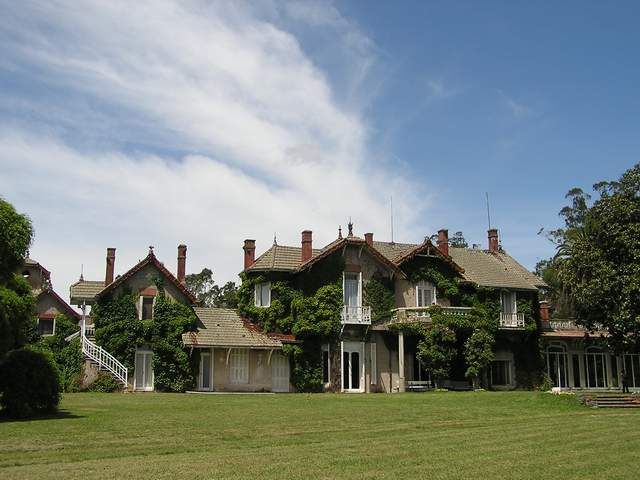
<point>485,435</point>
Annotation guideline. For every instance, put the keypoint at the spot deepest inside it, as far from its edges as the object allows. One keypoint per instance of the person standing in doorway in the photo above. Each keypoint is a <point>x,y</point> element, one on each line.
<point>624,381</point>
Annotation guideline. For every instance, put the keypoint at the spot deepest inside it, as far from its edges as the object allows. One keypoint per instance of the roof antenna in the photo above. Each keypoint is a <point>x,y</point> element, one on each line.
<point>488,210</point>
<point>392,219</point>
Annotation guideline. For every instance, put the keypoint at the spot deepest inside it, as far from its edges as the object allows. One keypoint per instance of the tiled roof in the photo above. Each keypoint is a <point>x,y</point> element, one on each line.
<point>223,327</point>
<point>85,290</point>
<point>280,258</point>
<point>393,250</point>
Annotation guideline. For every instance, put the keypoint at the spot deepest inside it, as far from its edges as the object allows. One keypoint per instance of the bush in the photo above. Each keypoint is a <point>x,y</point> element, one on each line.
<point>29,384</point>
<point>105,383</point>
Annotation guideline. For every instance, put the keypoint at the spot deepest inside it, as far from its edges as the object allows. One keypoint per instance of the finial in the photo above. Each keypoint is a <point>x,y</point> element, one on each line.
<point>81,272</point>
<point>275,239</point>
<point>150,249</point>
<point>350,225</point>
<point>339,231</point>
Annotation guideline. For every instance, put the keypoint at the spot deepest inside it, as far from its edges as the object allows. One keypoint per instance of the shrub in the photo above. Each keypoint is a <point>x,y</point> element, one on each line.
<point>105,383</point>
<point>29,383</point>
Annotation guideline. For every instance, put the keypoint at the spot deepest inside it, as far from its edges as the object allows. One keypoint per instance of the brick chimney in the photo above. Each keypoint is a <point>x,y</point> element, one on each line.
<point>544,311</point>
<point>368,237</point>
<point>307,245</point>
<point>182,262</point>
<point>111,265</point>
<point>249,253</point>
<point>443,241</point>
<point>494,245</point>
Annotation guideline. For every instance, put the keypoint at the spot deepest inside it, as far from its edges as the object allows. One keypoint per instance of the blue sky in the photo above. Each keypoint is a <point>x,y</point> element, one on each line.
<point>202,122</point>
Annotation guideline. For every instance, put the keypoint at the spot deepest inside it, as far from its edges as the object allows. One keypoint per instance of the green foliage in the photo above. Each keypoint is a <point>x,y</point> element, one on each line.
<point>437,350</point>
<point>306,374</point>
<point>67,355</point>
<point>16,313</point>
<point>28,383</point>
<point>120,332</point>
<point>442,277</point>
<point>277,316</point>
<point>458,240</point>
<point>319,314</point>
<point>16,234</point>
<point>379,295</point>
<point>105,383</point>
<point>208,293</point>
<point>598,257</point>
<point>478,353</point>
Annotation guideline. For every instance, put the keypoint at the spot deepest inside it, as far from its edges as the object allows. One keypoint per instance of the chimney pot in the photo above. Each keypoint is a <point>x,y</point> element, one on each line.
<point>249,253</point>
<point>307,245</point>
<point>494,244</point>
<point>443,241</point>
<point>368,237</point>
<point>544,311</point>
<point>182,261</point>
<point>111,264</point>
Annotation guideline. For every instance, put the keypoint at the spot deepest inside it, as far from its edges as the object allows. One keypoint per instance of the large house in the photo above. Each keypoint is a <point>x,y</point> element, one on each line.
<point>233,354</point>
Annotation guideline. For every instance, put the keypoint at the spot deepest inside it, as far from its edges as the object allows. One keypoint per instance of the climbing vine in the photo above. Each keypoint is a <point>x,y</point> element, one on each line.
<point>120,332</point>
<point>379,295</point>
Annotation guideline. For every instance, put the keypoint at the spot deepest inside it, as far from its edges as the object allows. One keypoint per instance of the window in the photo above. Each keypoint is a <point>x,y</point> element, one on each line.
<point>239,366</point>
<point>509,304</point>
<point>146,307</point>
<point>326,364</point>
<point>262,294</point>
<point>352,289</point>
<point>501,372</point>
<point>596,368</point>
<point>425,294</point>
<point>557,365</point>
<point>46,326</point>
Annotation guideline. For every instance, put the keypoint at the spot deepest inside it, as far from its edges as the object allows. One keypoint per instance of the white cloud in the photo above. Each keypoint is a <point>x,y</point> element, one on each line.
<point>268,147</point>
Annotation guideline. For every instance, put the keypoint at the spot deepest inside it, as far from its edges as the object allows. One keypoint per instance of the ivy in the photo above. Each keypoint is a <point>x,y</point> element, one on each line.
<point>379,295</point>
<point>120,332</point>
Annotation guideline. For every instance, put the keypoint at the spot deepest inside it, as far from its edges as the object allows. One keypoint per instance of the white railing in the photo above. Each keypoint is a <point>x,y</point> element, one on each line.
<point>104,360</point>
<point>512,320</point>
<point>90,330</point>
<point>356,315</point>
<point>413,314</point>
<point>563,325</point>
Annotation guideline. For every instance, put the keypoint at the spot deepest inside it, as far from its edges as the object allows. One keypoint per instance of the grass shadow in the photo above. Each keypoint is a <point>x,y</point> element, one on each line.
<point>59,415</point>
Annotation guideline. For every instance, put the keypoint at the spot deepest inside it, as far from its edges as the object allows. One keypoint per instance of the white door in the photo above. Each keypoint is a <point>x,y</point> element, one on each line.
<point>352,366</point>
<point>206,370</point>
<point>279,373</point>
<point>143,379</point>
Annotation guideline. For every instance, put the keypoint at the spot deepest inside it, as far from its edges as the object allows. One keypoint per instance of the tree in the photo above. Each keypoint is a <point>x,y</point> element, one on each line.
<point>598,257</point>
<point>16,301</point>
<point>458,240</point>
<point>208,293</point>
<point>557,296</point>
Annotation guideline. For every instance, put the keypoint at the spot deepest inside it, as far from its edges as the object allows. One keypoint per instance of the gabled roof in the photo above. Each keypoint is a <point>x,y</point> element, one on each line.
<point>426,246</point>
<point>340,243</point>
<point>224,327</point>
<point>150,259</point>
<point>33,263</point>
<point>85,290</point>
<point>65,306</point>
<point>279,258</point>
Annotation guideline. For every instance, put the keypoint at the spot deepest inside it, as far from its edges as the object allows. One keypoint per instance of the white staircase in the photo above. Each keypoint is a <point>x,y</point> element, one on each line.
<point>104,360</point>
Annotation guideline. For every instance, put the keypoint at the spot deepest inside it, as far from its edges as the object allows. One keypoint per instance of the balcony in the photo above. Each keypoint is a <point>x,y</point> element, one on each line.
<point>421,314</point>
<point>356,315</point>
<point>511,320</point>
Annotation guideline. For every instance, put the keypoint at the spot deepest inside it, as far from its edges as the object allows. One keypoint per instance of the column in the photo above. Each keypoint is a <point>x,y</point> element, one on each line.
<point>401,361</point>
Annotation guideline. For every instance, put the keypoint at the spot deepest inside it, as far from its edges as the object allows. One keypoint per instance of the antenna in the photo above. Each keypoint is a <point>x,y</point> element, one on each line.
<point>391,218</point>
<point>488,210</point>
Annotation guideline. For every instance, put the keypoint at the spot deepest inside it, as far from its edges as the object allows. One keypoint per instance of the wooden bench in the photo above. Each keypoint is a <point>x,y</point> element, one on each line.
<point>418,385</point>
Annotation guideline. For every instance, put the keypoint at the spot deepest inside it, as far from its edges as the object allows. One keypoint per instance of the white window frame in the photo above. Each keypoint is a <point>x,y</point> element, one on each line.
<point>239,373</point>
<point>326,348</point>
<point>258,287</point>
<point>425,285</point>
<point>353,347</point>
<point>153,305</point>
<point>53,332</point>
<point>344,282</point>
<point>143,351</point>
<point>513,298</point>
<point>206,353</point>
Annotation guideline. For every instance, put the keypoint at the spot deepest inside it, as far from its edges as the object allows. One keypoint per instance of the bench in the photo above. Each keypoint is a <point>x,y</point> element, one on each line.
<point>418,385</point>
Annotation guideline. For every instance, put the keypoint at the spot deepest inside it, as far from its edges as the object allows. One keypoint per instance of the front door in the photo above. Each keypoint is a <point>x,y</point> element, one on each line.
<point>143,379</point>
<point>279,373</point>
<point>205,370</point>
<point>352,366</point>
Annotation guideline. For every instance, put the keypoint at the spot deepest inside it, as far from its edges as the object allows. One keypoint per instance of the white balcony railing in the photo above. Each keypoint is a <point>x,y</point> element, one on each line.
<point>511,320</point>
<point>356,315</point>
<point>413,314</point>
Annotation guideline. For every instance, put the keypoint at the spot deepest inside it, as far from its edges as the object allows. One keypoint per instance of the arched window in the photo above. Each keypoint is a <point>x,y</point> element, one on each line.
<point>557,364</point>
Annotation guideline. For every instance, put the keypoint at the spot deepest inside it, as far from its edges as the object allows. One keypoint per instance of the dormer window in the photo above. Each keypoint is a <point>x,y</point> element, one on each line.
<point>146,307</point>
<point>46,326</point>
<point>425,294</point>
<point>262,294</point>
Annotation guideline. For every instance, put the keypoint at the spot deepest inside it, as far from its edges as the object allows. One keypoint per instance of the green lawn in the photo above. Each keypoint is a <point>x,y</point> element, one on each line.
<point>434,435</point>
